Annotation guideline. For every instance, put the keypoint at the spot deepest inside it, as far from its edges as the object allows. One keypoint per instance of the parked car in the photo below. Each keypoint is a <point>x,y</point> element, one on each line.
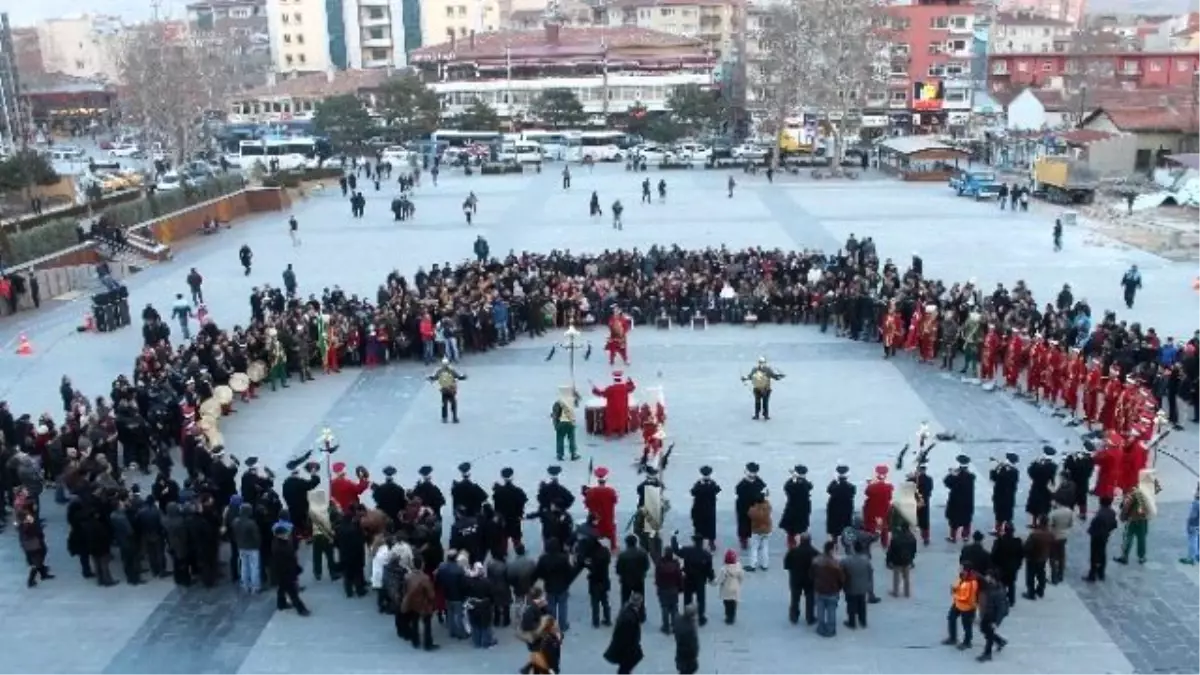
<point>751,152</point>
<point>124,150</point>
<point>170,181</point>
<point>692,152</point>
<point>651,154</point>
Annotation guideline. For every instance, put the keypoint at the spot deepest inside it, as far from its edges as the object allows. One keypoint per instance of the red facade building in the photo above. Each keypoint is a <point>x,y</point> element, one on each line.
<point>929,82</point>
<point>1131,70</point>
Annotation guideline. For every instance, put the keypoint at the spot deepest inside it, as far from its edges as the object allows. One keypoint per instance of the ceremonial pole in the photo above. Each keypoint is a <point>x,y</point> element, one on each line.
<point>572,342</point>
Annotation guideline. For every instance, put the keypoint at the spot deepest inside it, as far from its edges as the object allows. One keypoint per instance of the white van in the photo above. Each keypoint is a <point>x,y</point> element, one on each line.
<point>67,153</point>
<point>522,152</point>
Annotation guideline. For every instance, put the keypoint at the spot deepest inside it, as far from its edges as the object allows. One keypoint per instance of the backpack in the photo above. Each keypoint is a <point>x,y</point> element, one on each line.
<point>997,600</point>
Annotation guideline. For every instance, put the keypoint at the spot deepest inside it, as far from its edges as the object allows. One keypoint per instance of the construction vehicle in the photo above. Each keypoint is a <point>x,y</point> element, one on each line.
<point>1063,180</point>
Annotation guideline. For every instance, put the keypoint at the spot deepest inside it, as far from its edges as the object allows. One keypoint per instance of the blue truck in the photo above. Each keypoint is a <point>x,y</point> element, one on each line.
<point>977,184</point>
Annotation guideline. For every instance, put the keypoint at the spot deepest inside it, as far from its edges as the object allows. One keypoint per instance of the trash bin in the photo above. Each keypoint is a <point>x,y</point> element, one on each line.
<point>1069,218</point>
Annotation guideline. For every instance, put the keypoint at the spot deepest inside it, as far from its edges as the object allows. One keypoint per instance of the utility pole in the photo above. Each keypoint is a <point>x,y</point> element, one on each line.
<point>154,6</point>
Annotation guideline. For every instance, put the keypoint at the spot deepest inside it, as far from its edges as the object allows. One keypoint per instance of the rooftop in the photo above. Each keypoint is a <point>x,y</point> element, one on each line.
<point>1082,136</point>
<point>37,84</point>
<point>322,85</point>
<point>570,40</point>
<point>909,145</point>
<point>1027,19</point>
<point>1149,119</point>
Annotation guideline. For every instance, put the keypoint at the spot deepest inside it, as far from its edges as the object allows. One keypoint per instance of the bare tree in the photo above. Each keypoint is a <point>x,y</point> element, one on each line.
<point>170,82</point>
<point>1090,70</point>
<point>776,64</point>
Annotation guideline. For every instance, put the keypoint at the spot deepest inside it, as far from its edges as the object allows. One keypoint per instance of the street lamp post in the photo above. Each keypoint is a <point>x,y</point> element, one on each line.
<point>327,444</point>
<point>573,341</point>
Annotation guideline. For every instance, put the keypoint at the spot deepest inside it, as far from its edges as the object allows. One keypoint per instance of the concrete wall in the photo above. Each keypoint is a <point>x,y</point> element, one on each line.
<point>187,222</point>
<point>71,271</point>
<point>1113,156</point>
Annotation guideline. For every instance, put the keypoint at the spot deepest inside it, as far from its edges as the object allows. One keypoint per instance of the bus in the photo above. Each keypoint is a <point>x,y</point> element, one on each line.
<point>600,146</point>
<point>556,145</point>
<point>462,139</point>
<point>289,153</point>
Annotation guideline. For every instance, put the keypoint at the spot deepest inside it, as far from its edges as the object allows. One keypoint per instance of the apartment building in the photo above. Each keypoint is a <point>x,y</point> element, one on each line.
<point>239,28</point>
<point>319,35</point>
<point>81,46</point>
<point>1070,11</point>
<point>1025,33</point>
<point>929,66</point>
<point>713,22</point>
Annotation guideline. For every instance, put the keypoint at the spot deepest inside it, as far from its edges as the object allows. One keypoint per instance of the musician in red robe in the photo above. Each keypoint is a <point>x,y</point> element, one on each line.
<point>1133,460</point>
<point>332,345</point>
<point>616,404</point>
<point>1091,392</point>
<point>987,356</point>
<point>1127,405</point>
<point>1108,465</point>
<point>1055,374</point>
<point>1012,360</point>
<point>1074,369</point>
<point>877,502</point>
<point>1112,394</point>
<point>893,330</point>
<point>343,491</point>
<point>913,336</point>
<point>929,333</point>
<point>1037,366</point>
<point>618,337</point>
<point>601,502</point>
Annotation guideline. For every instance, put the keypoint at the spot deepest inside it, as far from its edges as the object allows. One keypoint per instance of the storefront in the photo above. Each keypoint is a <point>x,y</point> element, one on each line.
<point>900,123</point>
<point>872,125</point>
<point>64,104</point>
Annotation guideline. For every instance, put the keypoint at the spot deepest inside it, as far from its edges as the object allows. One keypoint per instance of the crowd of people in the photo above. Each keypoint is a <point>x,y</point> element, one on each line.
<point>182,525</point>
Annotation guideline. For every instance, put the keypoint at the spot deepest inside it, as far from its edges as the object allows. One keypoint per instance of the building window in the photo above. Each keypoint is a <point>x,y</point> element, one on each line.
<point>449,33</point>
<point>375,13</point>
<point>956,96</point>
<point>1181,66</point>
<point>462,31</point>
<point>375,34</point>
<point>379,54</point>
<point>1022,66</point>
<point>1047,67</point>
<point>284,18</point>
<point>937,70</point>
<point>449,12</point>
<point>940,22</point>
<point>299,38</point>
<point>287,38</point>
<point>955,69</point>
<point>898,69</point>
<point>666,11</point>
<point>288,58</point>
<point>960,21</point>
<point>1045,48</point>
<point>1130,67</point>
<point>1156,66</point>
<point>296,17</point>
<point>462,10</point>
<point>898,96</point>
<point>302,58</point>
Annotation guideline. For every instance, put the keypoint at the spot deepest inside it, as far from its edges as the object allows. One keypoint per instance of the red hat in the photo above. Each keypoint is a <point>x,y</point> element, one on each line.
<point>881,470</point>
<point>339,467</point>
<point>731,557</point>
<point>618,374</point>
<point>601,472</point>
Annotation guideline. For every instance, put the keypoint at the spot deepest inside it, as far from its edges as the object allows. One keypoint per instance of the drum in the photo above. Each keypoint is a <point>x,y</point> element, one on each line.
<point>223,394</point>
<point>257,371</point>
<point>593,412</point>
<point>211,407</point>
<point>239,382</point>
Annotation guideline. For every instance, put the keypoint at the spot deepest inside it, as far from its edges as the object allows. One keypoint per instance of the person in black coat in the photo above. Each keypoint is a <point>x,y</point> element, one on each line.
<point>352,554</point>
<point>430,494</point>
<point>295,490</point>
<point>465,494</point>
<point>625,648</point>
<point>839,510</point>
<point>78,513</point>
<point>798,563</point>
<point>687,642</point>
<point>286,571</point>
<point>633,564</point>
<point>960,502</point>
<point>1042,473</point>
<point>97,544</point>
<point>164,490</point>
<point>749,491</point>
<point>704,507</point>
<point>1099,530</point>
<point>1008,553</point>
<point>388,496</point>
<point>697,574</point>
<point>1079,466</point>
<point>1004,477</point>
<point>797,510</point>
<point>925,490</point>
<point>510,500</point>
<point>149,525</point>
<point>203,543</point>
<point>178,544</point>
<point>598,562</point>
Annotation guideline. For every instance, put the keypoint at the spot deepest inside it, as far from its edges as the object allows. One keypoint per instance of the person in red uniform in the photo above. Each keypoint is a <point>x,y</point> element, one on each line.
<point>1128,405</point>
<point>877,501</point>
<point>1056,373</point>
<point>618,337</point>
<point>1092,386</point>
<point>987,356</point>
<point>893,330</point>
<point>345,492</point>
<point>332,345</point>
<point>616,404</point>
<point>1037,366</point>
<point>1108,465</point>
<point>913,336</point>
<point>1133,460</point>
<point>1074,371</point>
<point>601,501</point>
<point>1012,359</point>
<point>1112,394</point>
<point>929,333</point>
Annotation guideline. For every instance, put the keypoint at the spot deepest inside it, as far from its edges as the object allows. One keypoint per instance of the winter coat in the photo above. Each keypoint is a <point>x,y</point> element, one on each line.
<point>798,563</point>
<point>379,565</point>
<point>520,575</point>
<point>858,571</point>
<point>555,571</point>
<point>902,550</point>
<point>450,579</point>
<point>284,568</point>
<point>497,576</point>
<point>633,564</point>
<point>244,530</point>
<point>687,646</point>
<point>760,518</point>
<point>729,580</point>
<point>176,531</point>
<point>625,648</point>
<point>419,596</point>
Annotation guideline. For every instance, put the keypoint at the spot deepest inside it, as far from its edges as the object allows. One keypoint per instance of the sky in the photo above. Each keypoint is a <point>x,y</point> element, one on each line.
<point>26,13</point>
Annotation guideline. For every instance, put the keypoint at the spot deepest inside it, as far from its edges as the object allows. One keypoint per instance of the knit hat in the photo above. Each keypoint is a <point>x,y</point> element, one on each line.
<point>731,557</point>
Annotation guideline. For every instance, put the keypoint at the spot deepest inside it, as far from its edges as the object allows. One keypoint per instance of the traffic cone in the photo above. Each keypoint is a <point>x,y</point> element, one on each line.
<point>89,323</point>
<point>23,346</point>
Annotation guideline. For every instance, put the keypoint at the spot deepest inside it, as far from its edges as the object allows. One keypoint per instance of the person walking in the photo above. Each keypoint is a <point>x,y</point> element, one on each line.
<point>1008,553</point>
<point>993,609</point>
<point>1137,525</point>
<point>828,582</point>
<point>687,642</point>
<point>1037,554</point>
<point>285,571</point>
<point>633,564</point>
<point>668,583</point>
<point>625,648</point>
<point>1060,521</point>
<point>195,283</point>
<point>294,231</point>
<point>729,581</point>
<point>1058,232</point>
<point>964,593</point>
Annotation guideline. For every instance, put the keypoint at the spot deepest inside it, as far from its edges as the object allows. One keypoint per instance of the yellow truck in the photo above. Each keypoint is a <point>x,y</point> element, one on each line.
<point>1063,180</point>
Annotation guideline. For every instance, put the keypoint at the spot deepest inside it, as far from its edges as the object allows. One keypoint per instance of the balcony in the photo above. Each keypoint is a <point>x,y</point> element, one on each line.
<point>377,63</point>
<point>371,22</point>
<point>374,3</point>
<point>377,43</point>
<point>898,104</point>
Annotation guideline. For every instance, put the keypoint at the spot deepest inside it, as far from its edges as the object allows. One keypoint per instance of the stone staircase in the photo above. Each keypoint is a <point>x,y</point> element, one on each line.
<point>129,258</point>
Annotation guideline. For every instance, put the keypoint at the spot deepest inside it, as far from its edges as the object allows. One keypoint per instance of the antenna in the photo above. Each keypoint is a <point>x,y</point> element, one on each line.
<point>154,6</point>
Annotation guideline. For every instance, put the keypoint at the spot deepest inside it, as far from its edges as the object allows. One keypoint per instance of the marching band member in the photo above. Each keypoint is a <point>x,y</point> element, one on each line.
<point>1137,509</point>
<point>1042,472</point>
<point>749,491</point>
<point>1133,460</point>
<point>760,378</point>
<point>1092,386</point>
<point>601,502</point>
<point>278,372</point>
<point>616,404</point>
<point>332,333</point>
<point>704,507</point>
<point>509,500</point>
<point>960,500</point>
<point>345,492</point>
<point>893,330</point>
<point>1075,370</point>
<point>1079,466</point>
<point>929,333</point>
<point>877,501</point>
<point>552,493</point>
<point>562,415</point>
<point>618,336</point>
<point>389,497</point>
<point>447,379</point>
<point>1107,461</point>
<point>839,508</point>
<point>466,496</point>
<point>1112,394</point>
<point>1005,477</point>
<point>797,509</point>
<point>255,481</point>
<point>1037,367</point>
<point>988,355</point>
<point>1014,354</point>
<point>429,494</point>
<point>912,337</point>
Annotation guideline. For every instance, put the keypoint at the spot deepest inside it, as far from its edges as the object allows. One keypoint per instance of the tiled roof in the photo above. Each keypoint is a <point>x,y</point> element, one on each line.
<point>570,40</point>
<point>1151,119</point>
<point>1083,136</point>
<point>1053,100</point>
<point>318,85</point>
<point>1026,19</point>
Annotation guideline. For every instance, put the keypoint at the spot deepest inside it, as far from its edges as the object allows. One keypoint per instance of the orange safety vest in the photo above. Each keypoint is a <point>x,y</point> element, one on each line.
<point>966,595</point>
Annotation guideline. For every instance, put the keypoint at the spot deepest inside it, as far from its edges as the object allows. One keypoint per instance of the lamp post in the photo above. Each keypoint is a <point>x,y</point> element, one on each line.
<point>572,342</point>
<point>327,445</point>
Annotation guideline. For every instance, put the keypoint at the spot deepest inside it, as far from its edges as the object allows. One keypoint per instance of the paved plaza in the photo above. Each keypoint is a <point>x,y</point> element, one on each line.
<point>841,402</point>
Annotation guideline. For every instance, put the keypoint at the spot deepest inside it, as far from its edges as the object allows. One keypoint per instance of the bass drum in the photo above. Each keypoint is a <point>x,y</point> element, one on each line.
<point>593,412</point>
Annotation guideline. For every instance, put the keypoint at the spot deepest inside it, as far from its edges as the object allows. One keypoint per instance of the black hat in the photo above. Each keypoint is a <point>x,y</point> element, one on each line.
<point>465,467</point>
<point>962,460</point>
<point>554,470</point>
<point>706,470</point>
<point>651,471</point>
<point>506,472</point>
<point>800,470</point>
<point>752,467</point>
<point>1012,457</point>
<point>1049,451</point>
<point>389,471</point>
<point>250,462</point>
<point>842,469</point>
<point>425,470</point>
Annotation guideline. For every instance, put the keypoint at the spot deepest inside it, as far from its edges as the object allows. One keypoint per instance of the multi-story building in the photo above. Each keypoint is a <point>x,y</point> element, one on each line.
<point>715,22</point>
<point>12,117</point>
<point>1070,11</point>
<point>318,35</point>
<point>27,50</point>
<point>296,98</point>
<point>1026,33</point>
<point>610,70</point>
<point>84,46</point>
<point>1072,70</point>
<point>239,28</point>
<point>573,13</point>
<point>929,68</point>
